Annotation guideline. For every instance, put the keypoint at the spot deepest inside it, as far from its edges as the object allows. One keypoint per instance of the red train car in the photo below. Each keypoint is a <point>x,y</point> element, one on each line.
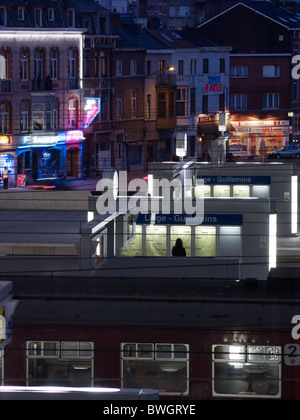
<point>190,340</point>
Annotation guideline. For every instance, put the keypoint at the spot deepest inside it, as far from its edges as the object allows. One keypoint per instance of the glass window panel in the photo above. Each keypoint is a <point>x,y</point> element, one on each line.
<point>85,350</point>
<point>134,247</point>
<point>156,241</point>
<point>129,350</point>
<point>180,351</point>
<point>145,350</point>
<point>205,241</point>
<point>221,352</point>
<point>50,348</point>
<point>244,371</point>
<point>242,379</point>
<point>164,351</point>
<point>202,191</point>
<point>164,376</point>
<point>236,352</point>
<point>58,372</point>
<point>256,353</point>
<point>241,191</point>
<point>221,190</point>
<point>34,348</point>
<point>184,233</point>
<point>69,349</point>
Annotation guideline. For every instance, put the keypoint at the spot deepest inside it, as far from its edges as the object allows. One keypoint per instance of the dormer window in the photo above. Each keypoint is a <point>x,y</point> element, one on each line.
<point>71,18</point>
<point>38,17</point>
<point>2,16</point>
<point>21,13</point>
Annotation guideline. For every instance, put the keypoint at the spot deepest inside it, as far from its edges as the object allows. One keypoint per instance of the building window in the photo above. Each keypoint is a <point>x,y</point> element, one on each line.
<point>133,67</point>
<point>54,64</point>
<point>37,117</point>
<point>4,118</point>
<point>160,366</point>
<point>119,104</point>
<point>182,102</point>
<point>24,65</point>
<point>148,106</point>
<point>2,16</point>
<point>205,65</point>
<point>246,371</point>
<point>171,105</point>
<point>161,66</point>
<point>24,116</point>
<point>71,18</point>
<point>133,100</point>
<point>38,64</point>
<point>161,105</point>
<point>3,65</point>
<point>21,13</point>
<point>73,109</point>
<point>271,101</point>
<point>237,72</point>
<point>59,363</point>
<point>238,101</point>
<point>222,65</point>
<point>72,62</point>
<point>193,66</point>
<point>148,67</point>
<point>51,14</point>
<point>180,67</point>
<point>103,63</point>
<point>118,67</point>
<point>52,116</point>
<point>38,17</point>
<point>271,71</point>
<point>183,11</point>
<point>193,101</point>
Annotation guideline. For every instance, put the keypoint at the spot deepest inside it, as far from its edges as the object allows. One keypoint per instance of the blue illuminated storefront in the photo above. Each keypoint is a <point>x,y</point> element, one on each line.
<point>50,154</point>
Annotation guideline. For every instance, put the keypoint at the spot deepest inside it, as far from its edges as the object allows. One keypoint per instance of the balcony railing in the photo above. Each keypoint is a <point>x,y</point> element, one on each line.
<point>166,79</point>
<point>5,86</point>
<point>40,85</point>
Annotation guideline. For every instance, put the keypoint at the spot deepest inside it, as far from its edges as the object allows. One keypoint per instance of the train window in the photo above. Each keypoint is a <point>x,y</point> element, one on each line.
<point>43,348</point>
<point>67,363</point>
<point>164,368</point>
<point>246,371</point>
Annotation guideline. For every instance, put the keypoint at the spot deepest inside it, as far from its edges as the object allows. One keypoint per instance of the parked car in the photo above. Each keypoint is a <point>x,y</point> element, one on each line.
<point>292,151</point>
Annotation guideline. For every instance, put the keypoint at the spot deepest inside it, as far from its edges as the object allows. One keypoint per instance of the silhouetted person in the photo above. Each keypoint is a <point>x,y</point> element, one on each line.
<point>178,250</point>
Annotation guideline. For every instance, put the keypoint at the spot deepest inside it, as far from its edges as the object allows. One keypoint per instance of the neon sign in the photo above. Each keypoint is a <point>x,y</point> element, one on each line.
<point>72,136</point>
<point>91,110</point>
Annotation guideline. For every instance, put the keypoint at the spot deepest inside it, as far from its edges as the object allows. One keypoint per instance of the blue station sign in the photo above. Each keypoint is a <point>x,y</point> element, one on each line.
<point>236,179</point>
<point>186,219</point>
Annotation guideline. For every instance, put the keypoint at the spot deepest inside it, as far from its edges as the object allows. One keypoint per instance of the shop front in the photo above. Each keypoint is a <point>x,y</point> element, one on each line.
<point>255,138</point>
<point>47,155</point>
<point>7,160</point>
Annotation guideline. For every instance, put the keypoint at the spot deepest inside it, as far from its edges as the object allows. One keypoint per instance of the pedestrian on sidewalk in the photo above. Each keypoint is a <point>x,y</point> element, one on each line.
<point>5,178</point>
